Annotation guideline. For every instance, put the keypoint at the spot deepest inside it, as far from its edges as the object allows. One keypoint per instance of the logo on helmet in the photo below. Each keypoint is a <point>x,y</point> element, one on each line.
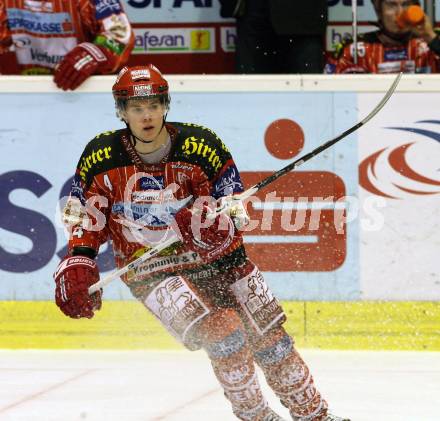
<point>121,73</point>
<point>140,74</point>
<point>142,90</point>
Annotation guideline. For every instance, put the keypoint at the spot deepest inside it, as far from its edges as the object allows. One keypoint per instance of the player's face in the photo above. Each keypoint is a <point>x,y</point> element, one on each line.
<point>390,10</point>
<point>145,118</point>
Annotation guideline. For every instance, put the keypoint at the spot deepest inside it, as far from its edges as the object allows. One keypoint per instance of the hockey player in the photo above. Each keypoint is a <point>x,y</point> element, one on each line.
<point>393,48</point>
<point>136,184</point>
<point>71,39</point>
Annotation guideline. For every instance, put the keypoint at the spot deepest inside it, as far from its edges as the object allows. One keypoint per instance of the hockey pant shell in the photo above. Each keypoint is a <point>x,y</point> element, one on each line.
<point>180,303</point>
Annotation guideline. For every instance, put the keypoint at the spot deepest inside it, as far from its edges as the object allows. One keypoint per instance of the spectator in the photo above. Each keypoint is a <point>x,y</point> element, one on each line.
<point>72,39</point>
<point>278,36</point>
<point>392,48</point>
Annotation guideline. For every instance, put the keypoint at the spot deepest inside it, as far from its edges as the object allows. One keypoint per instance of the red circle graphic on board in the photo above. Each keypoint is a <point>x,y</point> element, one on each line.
<point>284,138</point>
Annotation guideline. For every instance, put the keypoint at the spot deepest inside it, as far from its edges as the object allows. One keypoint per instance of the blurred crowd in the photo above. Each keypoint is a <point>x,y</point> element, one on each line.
<point>78,38</point>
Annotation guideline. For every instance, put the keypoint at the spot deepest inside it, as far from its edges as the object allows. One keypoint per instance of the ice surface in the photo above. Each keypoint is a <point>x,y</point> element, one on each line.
<point>176,386</point>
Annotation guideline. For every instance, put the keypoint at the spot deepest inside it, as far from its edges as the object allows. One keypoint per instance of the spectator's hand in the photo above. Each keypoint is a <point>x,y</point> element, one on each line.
<point>80,63</point>
<point>207,237</point>
<point>73,277</point>
<point>424,30</point>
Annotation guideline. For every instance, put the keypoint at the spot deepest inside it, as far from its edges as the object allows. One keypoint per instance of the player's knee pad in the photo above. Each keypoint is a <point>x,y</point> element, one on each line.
<point>273,348</point>
<point>222,334</point>
<point>180,307</point>
<point>261,310</point>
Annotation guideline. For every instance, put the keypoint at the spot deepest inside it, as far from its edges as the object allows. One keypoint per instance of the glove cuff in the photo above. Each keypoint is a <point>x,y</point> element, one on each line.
<point>95,51</point>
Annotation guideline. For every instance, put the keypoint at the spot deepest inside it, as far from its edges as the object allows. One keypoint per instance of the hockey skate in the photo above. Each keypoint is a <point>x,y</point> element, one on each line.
<point>331,417</point>
<point>328,417</point>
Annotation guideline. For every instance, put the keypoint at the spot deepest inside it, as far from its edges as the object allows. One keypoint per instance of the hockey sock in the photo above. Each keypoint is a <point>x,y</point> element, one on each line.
<point>225,341</point>
<point>288,375</point>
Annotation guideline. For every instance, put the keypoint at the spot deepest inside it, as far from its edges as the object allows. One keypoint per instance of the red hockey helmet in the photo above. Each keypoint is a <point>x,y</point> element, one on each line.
<point>140,82</point>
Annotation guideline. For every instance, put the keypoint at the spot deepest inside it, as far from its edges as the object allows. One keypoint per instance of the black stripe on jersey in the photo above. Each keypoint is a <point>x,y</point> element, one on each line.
<point>102,153</point>
<point>200,146</point>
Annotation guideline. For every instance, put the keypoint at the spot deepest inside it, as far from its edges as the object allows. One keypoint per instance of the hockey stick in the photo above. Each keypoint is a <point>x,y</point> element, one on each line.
<point>251,191</point>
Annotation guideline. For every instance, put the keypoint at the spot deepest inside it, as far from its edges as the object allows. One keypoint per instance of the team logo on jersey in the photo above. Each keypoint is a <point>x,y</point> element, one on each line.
<point>183,178</point>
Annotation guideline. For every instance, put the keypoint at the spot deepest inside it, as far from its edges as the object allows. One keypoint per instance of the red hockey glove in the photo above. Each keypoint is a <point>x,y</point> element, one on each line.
<point>77,65</point>
<point>73,277</point>
<point>208,238</point>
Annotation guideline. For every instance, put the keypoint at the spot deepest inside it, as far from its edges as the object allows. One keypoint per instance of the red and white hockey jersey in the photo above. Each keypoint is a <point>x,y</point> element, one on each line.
<point>42,32</point>
<point>415,56</point>
<point>134,203</point>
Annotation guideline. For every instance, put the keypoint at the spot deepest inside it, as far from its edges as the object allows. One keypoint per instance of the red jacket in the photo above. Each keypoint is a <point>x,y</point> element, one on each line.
<point>35,35</point>
<point>414,56</point>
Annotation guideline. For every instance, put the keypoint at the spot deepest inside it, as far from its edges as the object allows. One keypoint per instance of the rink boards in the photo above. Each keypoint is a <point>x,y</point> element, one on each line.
<point>126,325</point>
<point>381,185</point>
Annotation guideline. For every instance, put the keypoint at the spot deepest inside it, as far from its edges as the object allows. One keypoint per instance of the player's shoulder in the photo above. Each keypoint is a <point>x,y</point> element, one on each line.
<point>106,142</point>
<point>103,153</point>
<point>200,132</point>
<point>347,42</point>
<point>201,146</point>
<point>370,37</point>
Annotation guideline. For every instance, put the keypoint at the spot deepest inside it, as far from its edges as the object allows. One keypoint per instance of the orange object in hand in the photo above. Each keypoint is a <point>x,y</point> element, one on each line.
<point>411,16</point>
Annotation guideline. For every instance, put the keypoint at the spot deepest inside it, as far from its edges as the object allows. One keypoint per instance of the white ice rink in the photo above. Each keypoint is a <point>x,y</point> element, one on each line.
<point>177,386</point>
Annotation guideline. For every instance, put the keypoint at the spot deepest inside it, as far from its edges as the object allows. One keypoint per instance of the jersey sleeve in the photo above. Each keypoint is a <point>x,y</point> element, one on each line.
<point>86,212</point>
<point>110,30</point>
<point>8,59</point>
<point>5,34</point>
<point>227,182</point>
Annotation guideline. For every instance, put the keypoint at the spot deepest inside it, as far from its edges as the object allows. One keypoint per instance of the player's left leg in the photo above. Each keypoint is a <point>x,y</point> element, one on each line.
<point>288,375</point>
<point>273,348</point>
